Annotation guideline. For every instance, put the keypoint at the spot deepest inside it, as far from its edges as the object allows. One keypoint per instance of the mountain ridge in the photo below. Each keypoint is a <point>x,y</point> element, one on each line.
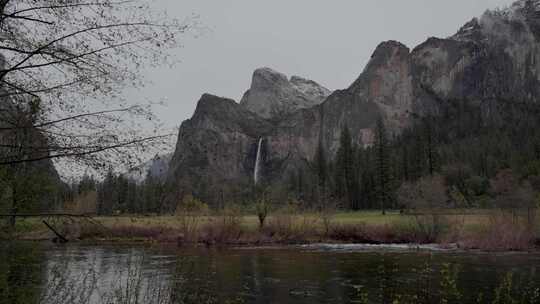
<point>493,57</point>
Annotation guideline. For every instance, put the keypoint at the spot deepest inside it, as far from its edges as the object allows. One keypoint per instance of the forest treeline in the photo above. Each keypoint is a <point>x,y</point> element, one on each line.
<point>465,156</point>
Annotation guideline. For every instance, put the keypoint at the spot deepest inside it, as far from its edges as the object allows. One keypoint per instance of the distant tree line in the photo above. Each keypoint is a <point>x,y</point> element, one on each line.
<point>467,155</point>
<point>118,194</point>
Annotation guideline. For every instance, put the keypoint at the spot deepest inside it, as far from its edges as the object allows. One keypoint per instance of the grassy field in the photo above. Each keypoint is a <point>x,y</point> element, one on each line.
<point>472,228</point>
<point>471,219</point>
<point>251,222</point>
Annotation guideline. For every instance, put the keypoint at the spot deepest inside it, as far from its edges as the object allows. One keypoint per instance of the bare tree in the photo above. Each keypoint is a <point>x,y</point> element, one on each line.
<point>66,63</point>
<point>428,193</point>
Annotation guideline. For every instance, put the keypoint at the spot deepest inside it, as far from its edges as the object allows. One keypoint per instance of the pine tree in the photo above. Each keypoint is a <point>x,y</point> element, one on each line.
<point>431,142</point>
<point>321,167</point>
<point>107,194</point>
<point>382,165</point>
<point>346,179</point>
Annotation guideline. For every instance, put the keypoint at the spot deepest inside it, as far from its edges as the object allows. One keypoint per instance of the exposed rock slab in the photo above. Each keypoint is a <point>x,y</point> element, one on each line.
<point>272,95</point>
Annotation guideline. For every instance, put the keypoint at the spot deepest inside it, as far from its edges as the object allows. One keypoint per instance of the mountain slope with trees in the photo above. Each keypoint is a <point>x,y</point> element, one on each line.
<point>464,105</point>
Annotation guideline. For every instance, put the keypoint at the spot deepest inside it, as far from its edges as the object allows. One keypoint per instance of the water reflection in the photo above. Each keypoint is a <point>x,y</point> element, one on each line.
<point>21,273</point>
<point>43,273</point>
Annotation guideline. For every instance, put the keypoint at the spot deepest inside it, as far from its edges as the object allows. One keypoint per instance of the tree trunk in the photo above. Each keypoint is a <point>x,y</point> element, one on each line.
<point>14,209</point>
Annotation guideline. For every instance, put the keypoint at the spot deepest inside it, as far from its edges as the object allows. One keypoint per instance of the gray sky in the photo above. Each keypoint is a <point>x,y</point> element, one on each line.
<point>323,40</point>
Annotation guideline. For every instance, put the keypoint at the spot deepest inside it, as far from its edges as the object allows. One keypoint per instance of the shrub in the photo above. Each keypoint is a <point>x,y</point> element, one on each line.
<point>361,234</point>
<point>291,226</point>
<point>226,229</point>
<point>427,193</point>
<point>428,228</point>
<point>189,226</point>
<point>262,210</point>
<point>504,231</point>
<point>189,212</point>
<point>191,205</point>
<point>510,192</point>
<point>326,215</point>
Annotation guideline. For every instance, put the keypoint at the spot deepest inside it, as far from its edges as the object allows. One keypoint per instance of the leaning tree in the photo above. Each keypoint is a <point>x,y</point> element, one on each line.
<point>63,67</point>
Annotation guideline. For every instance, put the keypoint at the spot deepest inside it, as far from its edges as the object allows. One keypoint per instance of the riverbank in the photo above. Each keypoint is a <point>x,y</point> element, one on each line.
<point>488,230</point>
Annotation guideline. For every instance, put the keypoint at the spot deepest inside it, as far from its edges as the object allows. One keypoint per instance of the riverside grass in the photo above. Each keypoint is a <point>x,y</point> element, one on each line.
<point>470,229</point>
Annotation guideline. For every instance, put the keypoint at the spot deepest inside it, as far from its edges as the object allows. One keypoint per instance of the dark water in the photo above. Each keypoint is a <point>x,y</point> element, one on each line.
<point>33,273</point>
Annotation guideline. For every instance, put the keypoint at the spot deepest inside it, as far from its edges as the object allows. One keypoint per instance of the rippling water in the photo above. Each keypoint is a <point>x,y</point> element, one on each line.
<point>33,273</point>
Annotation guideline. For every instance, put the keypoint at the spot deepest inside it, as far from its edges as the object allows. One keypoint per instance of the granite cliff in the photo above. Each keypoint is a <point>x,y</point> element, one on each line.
<point>491,59</point>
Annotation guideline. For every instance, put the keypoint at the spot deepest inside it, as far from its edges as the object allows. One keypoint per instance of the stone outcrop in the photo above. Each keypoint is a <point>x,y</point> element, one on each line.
<point>272,95</point>
<point>494,58</point>
<point>217,145</point>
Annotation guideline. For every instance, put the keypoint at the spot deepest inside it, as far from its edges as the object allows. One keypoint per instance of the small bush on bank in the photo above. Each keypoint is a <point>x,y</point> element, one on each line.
<point>504,231</point>
<point>262,209</point>
<point>362,234</point>
<point>188,213</point>
<point>226,228</point>
<point>424,229</point>
<point>289,225</point>
<point>428,228</point>
<point>326,215</point>
<point>191,205</point>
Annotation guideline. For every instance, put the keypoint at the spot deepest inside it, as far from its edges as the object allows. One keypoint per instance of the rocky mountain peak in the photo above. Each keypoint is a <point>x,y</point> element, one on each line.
<point>272,95</point>
<point>310,88</point>
<point>386,82</point>
<point>267,78</point>
<point>208,104</point>
<point>526,6</point>
<point>526,12</point>
<point>470,31</point>
<point>387,55</point>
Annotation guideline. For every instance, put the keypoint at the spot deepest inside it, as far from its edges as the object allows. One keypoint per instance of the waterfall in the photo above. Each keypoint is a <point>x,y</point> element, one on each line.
<point>257,162</point>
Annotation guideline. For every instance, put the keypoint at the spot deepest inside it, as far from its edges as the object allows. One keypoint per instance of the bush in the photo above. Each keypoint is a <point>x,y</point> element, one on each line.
<point>510,192</point>
<point>291,226</point>
<point>189,212</point>
<point>426,193</point>
<point>362,234</point>
<point>191,205</point>
<point>262,210</point>
<point>326,215</point>
<point>226,229</point>
<point>428,228</point>
<point>504,231</point>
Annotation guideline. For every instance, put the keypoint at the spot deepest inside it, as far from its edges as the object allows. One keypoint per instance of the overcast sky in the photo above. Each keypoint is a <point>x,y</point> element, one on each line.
<point>323,40</point>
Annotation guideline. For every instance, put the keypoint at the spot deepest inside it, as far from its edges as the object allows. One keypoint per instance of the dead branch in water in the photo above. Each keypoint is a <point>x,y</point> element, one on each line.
<point>58,235</point>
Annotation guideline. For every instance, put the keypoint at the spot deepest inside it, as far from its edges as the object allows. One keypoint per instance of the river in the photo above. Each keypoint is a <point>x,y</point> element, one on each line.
<point>79,273</point>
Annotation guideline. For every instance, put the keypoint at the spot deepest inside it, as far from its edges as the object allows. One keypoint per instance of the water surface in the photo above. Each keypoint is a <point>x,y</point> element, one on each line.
<point>33,273</point>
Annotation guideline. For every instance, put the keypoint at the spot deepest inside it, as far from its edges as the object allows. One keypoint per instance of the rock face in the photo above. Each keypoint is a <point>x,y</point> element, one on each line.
<point>216,146</point>
<point>272,95</point>
<point>491,59</point>
<point>157,168</point>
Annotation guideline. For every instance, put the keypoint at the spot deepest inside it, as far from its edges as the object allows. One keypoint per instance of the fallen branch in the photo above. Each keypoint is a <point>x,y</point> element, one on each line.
<point>86,217</point>
<point>58,235</point>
